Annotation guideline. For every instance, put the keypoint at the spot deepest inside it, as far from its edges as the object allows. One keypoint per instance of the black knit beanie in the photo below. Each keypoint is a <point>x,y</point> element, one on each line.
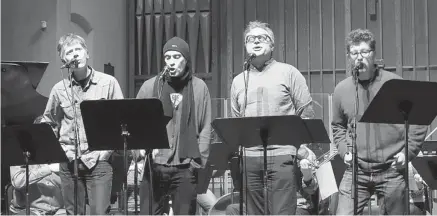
<point>178,44</point>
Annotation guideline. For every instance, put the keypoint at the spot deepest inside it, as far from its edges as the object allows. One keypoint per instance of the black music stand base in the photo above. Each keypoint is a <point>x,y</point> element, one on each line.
<point>264,134</point>
<point>26,158</point>
<point>241,164</point>
<point>27,145</point>
<point>136,187</point>
<point>149,158</point>
<point>125,134</point>
<point>406,177</point>
<point>405,108</point>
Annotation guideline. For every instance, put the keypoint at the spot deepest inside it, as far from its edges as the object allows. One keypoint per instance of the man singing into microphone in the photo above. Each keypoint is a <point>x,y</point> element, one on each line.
<point>380,147</point>
<point>269,88</point>
<point>186,99</point>
<point>63,110</point>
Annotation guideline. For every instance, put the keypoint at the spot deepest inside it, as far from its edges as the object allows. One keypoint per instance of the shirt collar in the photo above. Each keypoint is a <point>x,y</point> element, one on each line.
<point>91,79</point>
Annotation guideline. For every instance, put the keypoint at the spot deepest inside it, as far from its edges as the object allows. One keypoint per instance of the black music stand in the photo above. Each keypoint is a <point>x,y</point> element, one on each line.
<point>20,101</point>
<point>112,124</point>
<point>27,145</point>
<point>410,100</point>
<point>338,167</point>
<point>219,155</point>
<point>272,130</point>
<point>426,166</point>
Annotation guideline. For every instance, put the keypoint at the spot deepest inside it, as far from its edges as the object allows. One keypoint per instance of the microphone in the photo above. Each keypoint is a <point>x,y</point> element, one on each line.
<point>164,71</point>
<point>73,62</point>
<point>357,67</point>
<point>248,60</point>
<point>251,57</point>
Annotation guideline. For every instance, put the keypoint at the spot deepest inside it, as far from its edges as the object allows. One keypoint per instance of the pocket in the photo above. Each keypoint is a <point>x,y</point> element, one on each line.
<point>67,108</point>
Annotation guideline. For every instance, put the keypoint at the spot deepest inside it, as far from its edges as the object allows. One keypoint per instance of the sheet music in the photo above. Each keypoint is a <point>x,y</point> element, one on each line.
<point>326,180</point>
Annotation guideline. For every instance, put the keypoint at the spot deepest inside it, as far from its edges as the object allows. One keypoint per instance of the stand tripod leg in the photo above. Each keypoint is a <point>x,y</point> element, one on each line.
<point>264,133</point>
<point>125,181</point>
<point>406,177</point>
<point>75,181</point>
<point>125,134</point>
<point>136,187</point>
<point>240,162</point>
<point>355,179</point>
<point>26,158</point>
<point>265,181</point>
<point>149,158</point>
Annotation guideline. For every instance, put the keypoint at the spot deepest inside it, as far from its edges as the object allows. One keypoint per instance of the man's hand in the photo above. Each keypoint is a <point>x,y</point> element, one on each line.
<point>419,181</point>
<point>306,169</point>
<point>154,153</point>
<point>399,162</point>
<point>348,159</point>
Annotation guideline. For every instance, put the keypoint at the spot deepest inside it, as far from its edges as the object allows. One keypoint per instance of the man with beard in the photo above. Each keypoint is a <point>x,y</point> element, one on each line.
<point>186,99</point>
<point>61,113</point>
<point>380,147</point>
<point>269,88</point>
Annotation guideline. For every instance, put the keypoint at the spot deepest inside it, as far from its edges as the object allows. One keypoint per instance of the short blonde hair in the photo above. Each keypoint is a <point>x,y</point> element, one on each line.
<point>67,40</point>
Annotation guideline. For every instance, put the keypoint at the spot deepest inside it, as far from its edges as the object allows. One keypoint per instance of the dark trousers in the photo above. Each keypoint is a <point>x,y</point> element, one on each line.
<point>95,183</point>
<point>177,183</point>
<point>281,185</point>
<point>388,185</point>
<point>234,209</point>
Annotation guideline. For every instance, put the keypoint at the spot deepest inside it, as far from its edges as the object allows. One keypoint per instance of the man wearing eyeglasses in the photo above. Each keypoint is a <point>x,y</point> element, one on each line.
<point>380,147</point>
<point>269,88</point>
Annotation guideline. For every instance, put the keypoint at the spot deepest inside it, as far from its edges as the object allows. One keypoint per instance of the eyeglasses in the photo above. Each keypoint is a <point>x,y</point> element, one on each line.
<point>364,54</point>
<point>262,38</point>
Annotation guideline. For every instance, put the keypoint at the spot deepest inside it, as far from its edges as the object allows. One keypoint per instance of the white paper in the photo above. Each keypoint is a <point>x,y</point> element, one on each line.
<point>412,182</point>
<point>326,180</point>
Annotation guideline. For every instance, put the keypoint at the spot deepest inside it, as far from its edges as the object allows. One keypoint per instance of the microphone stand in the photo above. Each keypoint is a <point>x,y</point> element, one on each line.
<point>76,142</point>
<point>246,66</point>
<point>353,146</point>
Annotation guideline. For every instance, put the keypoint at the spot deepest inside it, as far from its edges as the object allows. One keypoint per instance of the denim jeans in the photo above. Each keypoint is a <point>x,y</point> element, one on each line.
<point>388,185</point>
<point>95,183</point>
<point>281,185</point>
<point>178,183</point>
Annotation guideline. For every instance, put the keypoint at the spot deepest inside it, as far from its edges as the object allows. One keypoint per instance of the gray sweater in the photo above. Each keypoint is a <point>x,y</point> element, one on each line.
<point>279,89</point>
<point>376,143</point>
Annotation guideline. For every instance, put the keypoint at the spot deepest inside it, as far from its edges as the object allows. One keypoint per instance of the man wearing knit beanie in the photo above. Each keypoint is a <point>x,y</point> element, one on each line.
<point>185,98</point>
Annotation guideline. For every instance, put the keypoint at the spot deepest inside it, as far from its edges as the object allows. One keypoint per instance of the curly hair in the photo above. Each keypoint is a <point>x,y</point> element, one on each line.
<point>357,36</point>
<point>258,24</point>
<point>67,40</point>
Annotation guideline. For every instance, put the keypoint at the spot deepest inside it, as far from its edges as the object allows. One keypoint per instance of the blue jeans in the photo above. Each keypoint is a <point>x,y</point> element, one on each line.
<point>388,185</point>
<point>281,185</point>
<point>96,183</point>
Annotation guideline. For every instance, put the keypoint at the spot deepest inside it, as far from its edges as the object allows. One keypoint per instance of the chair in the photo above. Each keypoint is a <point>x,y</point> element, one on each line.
<point>9,195</point>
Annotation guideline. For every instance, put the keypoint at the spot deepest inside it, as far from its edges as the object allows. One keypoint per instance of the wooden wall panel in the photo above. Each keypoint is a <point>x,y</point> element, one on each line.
<point>159,20</point>
<point>308,34</point>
